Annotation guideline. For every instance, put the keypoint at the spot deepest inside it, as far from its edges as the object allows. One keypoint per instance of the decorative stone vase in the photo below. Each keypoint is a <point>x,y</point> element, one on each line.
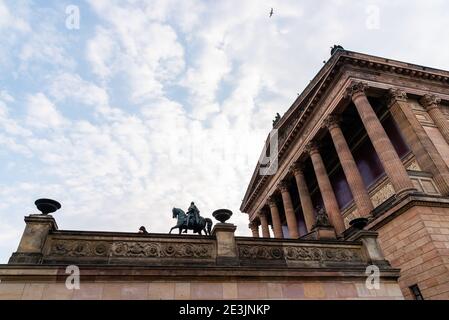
<point>359,223</point>
<point>222,215</point>
<point>47,206</point>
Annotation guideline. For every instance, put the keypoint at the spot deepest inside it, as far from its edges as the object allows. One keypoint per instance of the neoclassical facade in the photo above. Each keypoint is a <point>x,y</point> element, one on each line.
<point>368,138</point>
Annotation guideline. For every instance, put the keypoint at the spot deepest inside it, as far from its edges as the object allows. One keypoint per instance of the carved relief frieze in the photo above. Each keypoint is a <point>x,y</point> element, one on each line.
<point>414,166</point>
<point>72,248</point>
<point>296,253</point>
<point>322,254</point>
<point>162,250</point>
<point>81,248</point>
<point>261,252</point>
<point>382,194</point>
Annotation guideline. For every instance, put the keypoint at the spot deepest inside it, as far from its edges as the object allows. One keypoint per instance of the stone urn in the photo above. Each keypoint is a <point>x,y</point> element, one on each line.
<point>47,206</point>
<point>359,223</point>
<point>222,215</point>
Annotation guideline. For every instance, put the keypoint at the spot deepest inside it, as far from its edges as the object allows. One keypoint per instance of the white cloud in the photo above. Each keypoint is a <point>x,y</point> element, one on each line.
<point>42,113</point>
<point>8,20</point>
<point>145,51</point>
<point>71,87</point>
<point>5,96</point>
<point>100,50</point>
<point>10,130</point>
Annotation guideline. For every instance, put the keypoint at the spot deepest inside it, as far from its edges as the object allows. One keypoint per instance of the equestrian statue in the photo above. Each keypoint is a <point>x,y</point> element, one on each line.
<point>191,221</point>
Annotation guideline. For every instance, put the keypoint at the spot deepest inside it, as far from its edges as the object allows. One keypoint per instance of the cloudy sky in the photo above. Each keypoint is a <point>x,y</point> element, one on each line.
<point>147,105</point>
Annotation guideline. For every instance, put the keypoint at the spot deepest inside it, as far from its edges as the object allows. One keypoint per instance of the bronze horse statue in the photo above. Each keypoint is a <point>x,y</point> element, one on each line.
<point>204,224</point>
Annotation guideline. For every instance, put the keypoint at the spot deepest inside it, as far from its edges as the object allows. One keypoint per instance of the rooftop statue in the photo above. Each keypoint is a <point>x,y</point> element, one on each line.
<point>322,220</point>
<point>143,230</point>
<point>276,119</point>
<point>191,221</point>
<point>335,48</point>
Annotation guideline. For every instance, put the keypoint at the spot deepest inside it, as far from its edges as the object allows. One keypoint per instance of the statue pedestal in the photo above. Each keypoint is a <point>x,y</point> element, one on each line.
<point>226,247</point>
<point>38,226</point>
<point>325,233</point>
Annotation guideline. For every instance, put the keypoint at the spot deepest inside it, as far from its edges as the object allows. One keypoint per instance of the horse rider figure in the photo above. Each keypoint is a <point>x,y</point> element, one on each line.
<point>192,213</point>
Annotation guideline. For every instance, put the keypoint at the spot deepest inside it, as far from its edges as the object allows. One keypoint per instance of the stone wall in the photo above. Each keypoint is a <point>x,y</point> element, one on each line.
<point>417,242</point>
<point>248,290</point>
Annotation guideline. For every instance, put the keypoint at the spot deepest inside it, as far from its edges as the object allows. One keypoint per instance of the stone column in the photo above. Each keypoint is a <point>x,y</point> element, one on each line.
<point>426,154</point>
<point>275,218</point>
<point>264,224</point>
<point>327,193</point>
<point>290,216</point>
<point>254,226</point>
<point>391,162</point>
<point>304,196</point>
<point>432,105</point>
<point>358,189</point>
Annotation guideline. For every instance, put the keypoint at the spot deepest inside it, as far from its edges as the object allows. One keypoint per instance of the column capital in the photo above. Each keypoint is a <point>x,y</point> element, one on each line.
<point>254,224</point>
<point>395,95</point>
<point>312,147</point>
<point>430,101</point>
<point>262,214</point>
<point>297,167</point>
<point>356,88</point>
<point>283,186</point>
<point>271,201</point>
<point>332,121</point>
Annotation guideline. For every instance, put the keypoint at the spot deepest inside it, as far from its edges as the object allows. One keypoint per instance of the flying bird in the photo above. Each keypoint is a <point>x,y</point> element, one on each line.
<point>271,12</point>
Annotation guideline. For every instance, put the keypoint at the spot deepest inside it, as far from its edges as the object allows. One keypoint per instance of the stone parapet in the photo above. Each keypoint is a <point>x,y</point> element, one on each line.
<point>106,249</point>
<point>115,265</point>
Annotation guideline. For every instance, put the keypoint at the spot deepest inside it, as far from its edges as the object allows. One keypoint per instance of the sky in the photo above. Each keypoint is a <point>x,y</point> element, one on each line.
<point>122,110</point>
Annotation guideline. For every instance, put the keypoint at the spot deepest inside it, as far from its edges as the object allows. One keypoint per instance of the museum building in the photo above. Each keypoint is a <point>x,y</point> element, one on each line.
<point>367,140</point>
